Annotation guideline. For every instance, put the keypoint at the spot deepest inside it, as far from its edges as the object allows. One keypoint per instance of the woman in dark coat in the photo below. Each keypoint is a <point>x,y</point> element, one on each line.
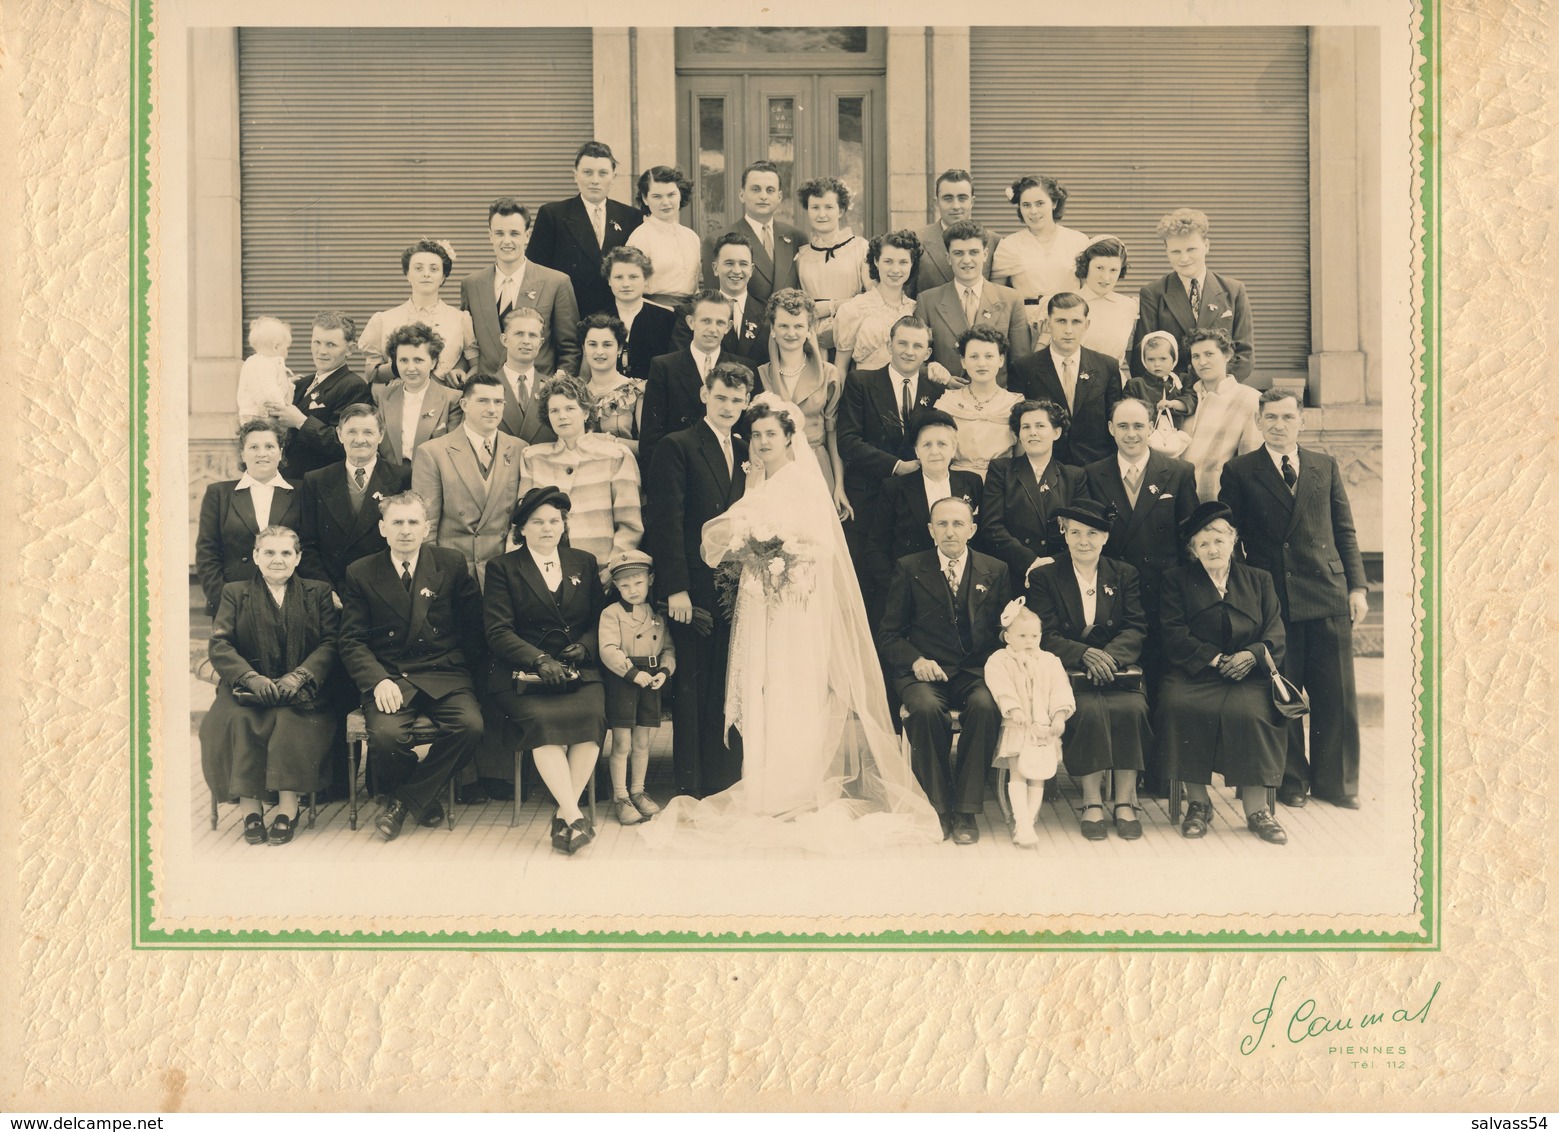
<point>230,512</point>
<point>1222,628</point>
<point>543,608</point>
<point>1023,493</point>
<point>1093,620</point>
<point>273,642</point>
<point>627,272</point>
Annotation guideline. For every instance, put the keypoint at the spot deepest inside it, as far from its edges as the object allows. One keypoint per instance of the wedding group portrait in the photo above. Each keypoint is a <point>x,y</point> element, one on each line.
<point>819,441</point>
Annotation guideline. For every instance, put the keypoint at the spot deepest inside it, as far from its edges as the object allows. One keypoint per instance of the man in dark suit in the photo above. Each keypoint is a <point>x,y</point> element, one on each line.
<point>513,281</point>
<point>572,235</point>
<point>954,200</point>
<point>899,522</point>
<point>317,402</point>
<point>695,475</point>
<point>1191,296</point>
<point>340,504</point>
<point>774,243</point>
<point>673,394</point>
<point>1148,495</point>
<point>524,334</point>
<point>939,628</point>
<point>411,636</point>
<point>972,300</point>
<point>749,333</point>
<point>1087,382</point>
<point>1291,509</point>
<point>875,410</point>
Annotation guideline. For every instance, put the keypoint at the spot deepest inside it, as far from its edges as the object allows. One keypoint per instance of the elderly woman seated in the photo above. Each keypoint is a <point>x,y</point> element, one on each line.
<point>1093,619</point>
<point>270,728</point>
<point>1222,637</point>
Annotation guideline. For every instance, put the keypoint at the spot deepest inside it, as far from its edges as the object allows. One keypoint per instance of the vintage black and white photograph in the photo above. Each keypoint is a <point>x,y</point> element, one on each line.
<point>650,474</point>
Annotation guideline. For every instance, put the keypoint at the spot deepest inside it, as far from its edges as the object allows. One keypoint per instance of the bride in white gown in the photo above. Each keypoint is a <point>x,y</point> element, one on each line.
<point>821,766</point>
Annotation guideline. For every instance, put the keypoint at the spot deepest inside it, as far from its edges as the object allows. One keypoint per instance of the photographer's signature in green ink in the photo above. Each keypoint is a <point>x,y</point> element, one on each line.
<point>1307,1020</point>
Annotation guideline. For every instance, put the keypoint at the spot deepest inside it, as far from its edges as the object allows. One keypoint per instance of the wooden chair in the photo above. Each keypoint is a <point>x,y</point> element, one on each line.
<point>423,730</point>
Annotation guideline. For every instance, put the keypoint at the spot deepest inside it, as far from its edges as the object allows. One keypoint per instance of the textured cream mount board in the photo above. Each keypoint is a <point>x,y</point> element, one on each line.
<point>87,1022</point>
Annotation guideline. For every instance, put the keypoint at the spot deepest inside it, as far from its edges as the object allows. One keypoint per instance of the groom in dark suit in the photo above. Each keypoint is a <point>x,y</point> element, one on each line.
<point>939,628</point>
<point>572,235</point>
<point>695,475</point>
<point>411,636</point>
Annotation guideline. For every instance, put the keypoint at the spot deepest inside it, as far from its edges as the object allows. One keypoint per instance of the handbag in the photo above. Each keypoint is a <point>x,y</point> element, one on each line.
<point>529,683</point>
<point>1128,679</point>
<point>1165,437</point>
<point>1288,699</point>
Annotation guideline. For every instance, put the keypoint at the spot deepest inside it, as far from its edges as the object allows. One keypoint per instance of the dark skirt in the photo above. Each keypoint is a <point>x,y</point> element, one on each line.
<point>1109,731</point>
<point>545,721</point>
<point>1206,724</point>
<point>246,751</point>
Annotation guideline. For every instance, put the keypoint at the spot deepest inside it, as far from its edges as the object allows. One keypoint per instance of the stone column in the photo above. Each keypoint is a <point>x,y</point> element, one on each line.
<point>216,309</point>
<point>908,127</point>
<point>611,69</point>
<point>950,125</point>
<point>655,85</point>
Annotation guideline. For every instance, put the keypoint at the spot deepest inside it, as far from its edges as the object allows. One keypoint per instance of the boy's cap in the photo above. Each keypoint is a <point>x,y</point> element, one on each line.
<point>629,561</point>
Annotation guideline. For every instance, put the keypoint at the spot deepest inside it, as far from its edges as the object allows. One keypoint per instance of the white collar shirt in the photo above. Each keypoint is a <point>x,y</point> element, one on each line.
<point>261,495</point>
<point>411,411</point>
<point>368,472</point>
<point>1277,458</point>
<point>483,448</point>
<point>1088,590</point>
<point>937,489</point>
<point>704,362</point>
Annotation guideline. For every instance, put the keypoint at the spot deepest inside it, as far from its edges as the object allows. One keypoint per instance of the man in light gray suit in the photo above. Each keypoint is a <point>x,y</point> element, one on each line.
<point>954,200</point>
<point>971,300</point>
<point>774,243</point>
<point>470,477</point>
<point>513,281</point>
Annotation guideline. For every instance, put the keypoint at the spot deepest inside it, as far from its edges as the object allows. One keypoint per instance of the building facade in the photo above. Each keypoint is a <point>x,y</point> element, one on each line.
<point>318,154</point>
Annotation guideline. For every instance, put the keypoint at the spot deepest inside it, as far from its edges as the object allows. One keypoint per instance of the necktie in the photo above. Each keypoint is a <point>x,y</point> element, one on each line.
<point>969,304</point>
<point>766,234</point>
<point>487,457</point>
<point>406,575</point>
<point>1290,476</point>
<point>1133,483</point>
<point>952,576</point>
<point>705,364</point>
<point>1196,299</point>
<point>598,222</point>
<point>362,478</point>
<point>506,289</point>
<point>906,406</point>
<point>1068,379</point>
<point>725,447</point>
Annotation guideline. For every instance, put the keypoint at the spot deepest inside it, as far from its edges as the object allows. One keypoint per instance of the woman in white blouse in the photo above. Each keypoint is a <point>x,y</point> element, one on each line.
<point>863,324</point>
<point>1039,259</point>
<point>674,249</point>
<point>1112,317</point>
<point>426,265</point>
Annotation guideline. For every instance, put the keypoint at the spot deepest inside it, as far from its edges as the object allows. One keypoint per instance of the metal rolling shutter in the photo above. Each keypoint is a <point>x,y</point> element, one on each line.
<point>1138,121</point>
<point>356,142</point>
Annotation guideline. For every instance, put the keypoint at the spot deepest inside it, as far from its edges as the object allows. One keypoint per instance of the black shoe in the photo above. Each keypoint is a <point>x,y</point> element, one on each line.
<point>1294,799</point>
<point>1129,829</point>
<point>254,829</point>
<point>470,794</point>
<point>947,825</point>
<point>282,829</point>
<point>1265,826</point>
<point>965,832</point>
<point>559,834</point>
<point>1344,801</point>
<point>433,816</point>
<point>1198,816</point>
<point>389,822</point>
<point>580,834</point>
<point>497,789</point>
<point>1093,830</point>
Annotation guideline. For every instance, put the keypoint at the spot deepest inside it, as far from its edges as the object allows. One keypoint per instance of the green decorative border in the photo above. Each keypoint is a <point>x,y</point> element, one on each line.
<point>145,936</point>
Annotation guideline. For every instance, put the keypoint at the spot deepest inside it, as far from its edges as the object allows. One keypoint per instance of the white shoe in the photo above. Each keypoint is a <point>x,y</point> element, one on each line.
<point>1025,835</point>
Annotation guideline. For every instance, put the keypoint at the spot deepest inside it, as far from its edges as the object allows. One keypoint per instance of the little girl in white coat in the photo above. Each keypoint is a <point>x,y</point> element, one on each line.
<point>264,376</point>
<point>1035,696</point>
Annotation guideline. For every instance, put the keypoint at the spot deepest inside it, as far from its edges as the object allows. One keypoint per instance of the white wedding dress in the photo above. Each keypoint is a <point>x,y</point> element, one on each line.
<point>821,766</point>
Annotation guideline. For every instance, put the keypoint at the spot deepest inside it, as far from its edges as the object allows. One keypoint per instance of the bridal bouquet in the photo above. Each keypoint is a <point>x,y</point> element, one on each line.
<point>782,562</point>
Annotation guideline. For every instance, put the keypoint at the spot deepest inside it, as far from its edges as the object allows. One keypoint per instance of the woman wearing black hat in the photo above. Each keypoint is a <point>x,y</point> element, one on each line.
<point>1093,619</point>
<point>1222,633</point>
<point>543,608</point>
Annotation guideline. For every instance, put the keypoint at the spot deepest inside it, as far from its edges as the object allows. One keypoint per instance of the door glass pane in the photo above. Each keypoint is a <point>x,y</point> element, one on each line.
<point>780,128</point>
<point>711,164</point>
<point>778,41</point>
<point>851,157</point>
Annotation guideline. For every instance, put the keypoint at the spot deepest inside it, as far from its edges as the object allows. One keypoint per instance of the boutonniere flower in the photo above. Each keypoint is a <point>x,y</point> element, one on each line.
<point>508,457</point>
<point>1082,377</point>
<point>378,495</point>
<point>785,240</point>
<point>1109,590</point>
<point>616,227</point>
<point>751,330</point>
<point>1152,489</point>
<point>425,592</point>
<point>1212,308</point>
<point>985,314</point>
<point>573,579</point>
<point>1227,314</point>
<point>979,588</point>
<point>430,412</point>
<point>316,405</point>
<point>746,467</point>
<point>1044,487</point>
